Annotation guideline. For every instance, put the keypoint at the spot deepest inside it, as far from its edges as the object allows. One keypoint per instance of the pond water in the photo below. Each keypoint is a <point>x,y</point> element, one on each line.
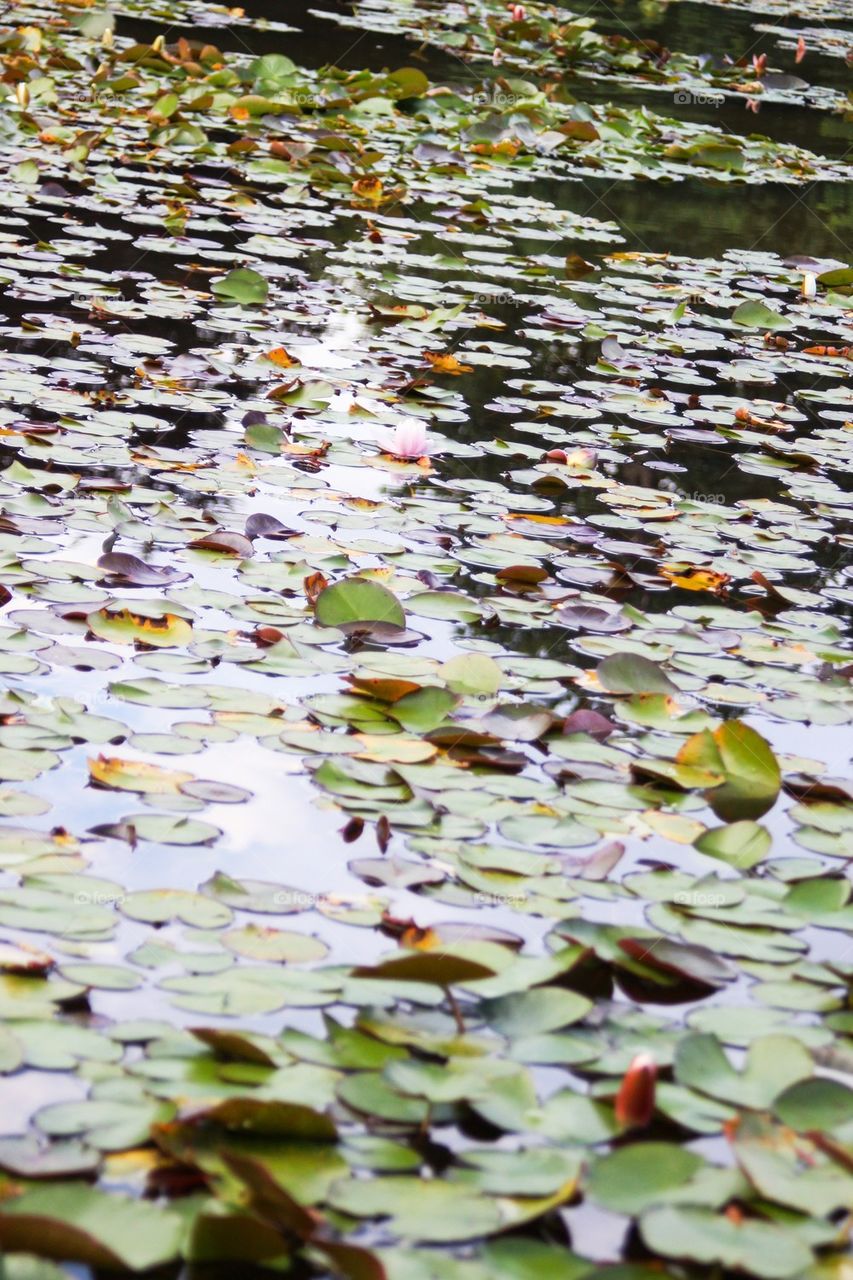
<point>425,796</point>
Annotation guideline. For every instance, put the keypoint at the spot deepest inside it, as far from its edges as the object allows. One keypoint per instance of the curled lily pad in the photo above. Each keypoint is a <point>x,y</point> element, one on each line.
<point>136,572</point>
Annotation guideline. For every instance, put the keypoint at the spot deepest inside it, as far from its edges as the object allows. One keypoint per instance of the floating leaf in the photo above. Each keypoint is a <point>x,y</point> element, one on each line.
<point>819,1103</point>
<point>751,773</point>
<point>69,1221</point>
<point>646,1173</point>
<point>744,1244</point>
<point>632,673</point>
<point>135,775</point>
<point>357,600</point>
<point>472,675</point>
<point>131,569</point>
<point>445,970</point>
<point>741,844</point>
<point>242,285</point>
<point>757,315</point>
<point>773,1063</point>
<point>124,627</point>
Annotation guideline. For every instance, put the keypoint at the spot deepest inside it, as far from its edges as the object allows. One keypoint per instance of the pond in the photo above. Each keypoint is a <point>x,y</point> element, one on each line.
<point>425,564</point>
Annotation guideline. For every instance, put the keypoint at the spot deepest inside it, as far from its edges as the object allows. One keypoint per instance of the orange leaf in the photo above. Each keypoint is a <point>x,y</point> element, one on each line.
<point>136,775</point>
<point>368,189</point>
<point>313,585</point>
<point>387,689</point>
<point>695,579</point>
<point>446,363</point>
<point>280,357</point>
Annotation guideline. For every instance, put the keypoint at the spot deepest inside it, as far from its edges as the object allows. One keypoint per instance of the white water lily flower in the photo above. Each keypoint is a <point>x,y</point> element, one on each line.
<point>809,286</point>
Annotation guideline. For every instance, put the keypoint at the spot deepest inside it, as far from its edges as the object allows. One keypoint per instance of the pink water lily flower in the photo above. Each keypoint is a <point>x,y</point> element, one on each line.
<point>518,12</point>
<point>410,440</point>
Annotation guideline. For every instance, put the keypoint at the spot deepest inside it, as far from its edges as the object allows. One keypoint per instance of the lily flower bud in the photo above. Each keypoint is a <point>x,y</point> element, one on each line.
<point>635,1101</point>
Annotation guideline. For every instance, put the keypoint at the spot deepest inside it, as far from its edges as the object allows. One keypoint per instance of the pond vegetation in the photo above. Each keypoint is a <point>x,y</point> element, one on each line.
<point>425,576</point>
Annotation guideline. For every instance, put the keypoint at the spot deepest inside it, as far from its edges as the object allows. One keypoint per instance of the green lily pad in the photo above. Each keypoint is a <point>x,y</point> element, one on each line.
<point>73,1222</point>
<point>632,673</point>
<point>641,1175</point>
<point>242,285</point>
<point>357,600</point>
<point>757,315</point>
<point>764,1249</point>
<point>742,844</point>
<point>818,1103</point>
<point>773,1063</point>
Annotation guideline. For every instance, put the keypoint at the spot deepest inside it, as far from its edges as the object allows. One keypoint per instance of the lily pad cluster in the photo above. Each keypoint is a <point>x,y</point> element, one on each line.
<point>424,830</point>
<point>563,48</point>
